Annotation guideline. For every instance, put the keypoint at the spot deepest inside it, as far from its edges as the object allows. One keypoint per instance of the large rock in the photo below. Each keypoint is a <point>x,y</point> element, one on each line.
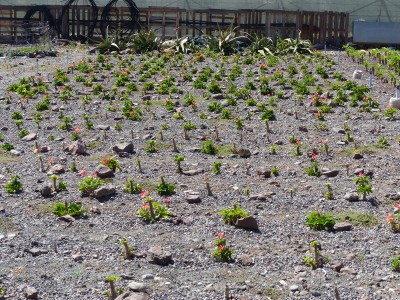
<point>193,172</point>
<point>29,137</point>
<point>123,147</point>
<point>31,293</point>
<point>137,286</point>
<point>156,255</point>
<point>103,171</point>
<point>45,190</point>
<point>37,251</point>
<point>104,191</point>
<point>56,169</point>
<point>343,226</point>
<point>133,296</point>
<point>263,172</point>
<point>76,147</point>
<point>394,102</point>
<point>352,197</point>
<point>247,223</point>
<point>330,173</point>
<point>244,153</point>
<point>245,260</point>
<point>192,197</point>
<point>357,74</point>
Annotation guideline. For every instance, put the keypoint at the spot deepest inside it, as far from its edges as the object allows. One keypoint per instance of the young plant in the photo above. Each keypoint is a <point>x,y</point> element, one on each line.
<point>165,189</point>
<point>320,221</point>
<point>111,163</point>
<point>394,219</point>
<point>363,186</point>
<point>313,170</point>
<point>209,148</point>
<point>131,187</point>
<point>14,186</point>
<point>89,184</point>
<point>297,151</point>
<point>113,291</point>
<point>72,209</point>
<point>216,167</point>
<point>230,215</point>
<point>178,159</point>
<point>274,171</point>
<point>222,253</point>
<point>329,193</point>
<point>128,250</point>
<point>318,260</point>
<point>151,210</point>
<point>395,265</point>
<point>151,146</point>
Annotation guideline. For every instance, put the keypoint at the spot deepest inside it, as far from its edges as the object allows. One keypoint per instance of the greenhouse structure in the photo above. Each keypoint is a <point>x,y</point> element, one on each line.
<point>321,21</point>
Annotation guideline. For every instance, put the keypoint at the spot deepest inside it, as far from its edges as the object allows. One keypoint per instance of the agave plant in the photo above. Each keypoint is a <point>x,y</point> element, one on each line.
<point>289,46</point>
<point>180,45</point>
<point>226,41</point>
<point>145,41</point>
<point>260,42</point>
<point>108,43</point>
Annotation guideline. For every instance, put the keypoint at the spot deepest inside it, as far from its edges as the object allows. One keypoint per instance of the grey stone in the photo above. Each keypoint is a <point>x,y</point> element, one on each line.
<point>244,153</point>
<point>192,197</point>
<point>15,152</point>
<point>358,171</point>
<point>137,286</point>
<point>29,137</point>
<point>316,293</point>
<point>357,74</point>
<point>77,257</point>
<point>31,293</point>
<point>247,223</point>
<point>37,251</point>
<point>104,191</point>
<point>303,128</point>
<point>103,171</point>
<point>347,270</point>
<point>358,156</point>
<point>264,173</point>
<point>294,288</point>
<point>217,96</point>
<point>45,190</point>
<point>133,296</point>
<point>76,147</point>
<point>330,173</point>
<point>123,147</point>
<point>193,172</point>
<point>56,169</point>
<point>67,218</point>
<point>245,260</point>
<point>148,276</point>
<point>336,266</point>
<point>156,255</point>
<point>352,197</point>
<point>103,127</point>
<point>343,226</point>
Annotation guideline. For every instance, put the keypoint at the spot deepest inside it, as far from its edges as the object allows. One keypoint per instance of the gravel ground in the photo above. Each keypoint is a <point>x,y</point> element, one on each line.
<point>267,264</point>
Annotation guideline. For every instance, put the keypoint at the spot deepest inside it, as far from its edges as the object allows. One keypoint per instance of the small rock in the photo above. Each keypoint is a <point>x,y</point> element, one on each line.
<point>123,147</point>
<point>45,190</point>
<point>217,96</point>
<point>244,153</point>
<point>330,173</point>
<point>67,218</point>
<point>264,173</point>
<point>358,156</point>
<point>347,270</point>
<point>343,226</point>
<point>294,288</point>
<point>56,169</point>
<point>103,127</point>
<point>193,172</point>
<point>357,74</point>
<point>137,286</point>
<point>133,296</point>
<point>31,293</point>
<point>192,197</point>
<point>15,152</point>
<point>29,137</point>
<point>148,276</point>
<point>352,197</point>
<point>37,251</point>
<point>245,259</point>
<point>247,223</point>
<point>104,191</point>
<point>336,266</point>
<point>76,147</point>
<point>303,128</point>
<point>358,171</point>
<point>77,257</point>
<point>316,293</point>
<point>156,255</point>
<point>103,171</point>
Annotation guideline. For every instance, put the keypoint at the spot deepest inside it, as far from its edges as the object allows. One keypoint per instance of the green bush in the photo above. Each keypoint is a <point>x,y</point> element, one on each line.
<point>395,265</point>
<point>89,184</point>
<point>208,147</point>
<point>71,209</point>
<point>14,186</point>
<point>320,221</point>
<point>165,189</point>
<point>230,215</point>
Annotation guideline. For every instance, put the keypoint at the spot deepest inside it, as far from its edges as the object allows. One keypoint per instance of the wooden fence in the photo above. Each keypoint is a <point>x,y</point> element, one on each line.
<point>319,27</point>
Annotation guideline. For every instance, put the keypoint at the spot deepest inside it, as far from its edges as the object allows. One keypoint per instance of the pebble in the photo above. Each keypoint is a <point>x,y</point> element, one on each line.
<point>148,276</point>
<point>294,288</point>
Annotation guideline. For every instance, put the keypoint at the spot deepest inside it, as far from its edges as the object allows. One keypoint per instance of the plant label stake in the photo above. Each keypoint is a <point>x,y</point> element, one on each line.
<point>67,57</point>
<point>370,81</point>
<point>325,48</point>
<point>338,57</point>
<point>37,66</point>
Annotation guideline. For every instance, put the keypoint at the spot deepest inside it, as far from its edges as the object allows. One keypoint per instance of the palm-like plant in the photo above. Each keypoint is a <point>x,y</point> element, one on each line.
<point>225,42</point>
<point>145,41</point>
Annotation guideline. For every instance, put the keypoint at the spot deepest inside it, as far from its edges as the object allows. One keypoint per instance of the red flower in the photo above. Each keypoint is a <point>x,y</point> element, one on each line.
<point>167,201</point>
<point>361,174</point>
<point>221,247</point>
<point>50,161</point>
<point>298,142</point>
<point>82,172</point>
<point>397,206</point>
<point>390,218</point>
<point>145,205</point>
<point>324,141</point>
<point>314,156</point>
<point>94,174</point>
<point>220,235</point>
<point>144,194</point>
<point>77,130</point>
<point>364,98</point>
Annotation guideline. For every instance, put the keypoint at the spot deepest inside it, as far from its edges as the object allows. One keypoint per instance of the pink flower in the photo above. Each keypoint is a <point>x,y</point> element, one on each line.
<point>361,174</point>
<point>324,141</point>
<point>220,235</point>
<point>77,130</point>
<point>167,201</point>
<point>397,206</point>
<point>145,205</point>
<point>94,174</point>
<point>144,194</point>
<point>314,156</point>
<point>82,172</point>
<point>298,142</point>
<point>221,247</point>
<point>390,218</point>
<point>50,161</point>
